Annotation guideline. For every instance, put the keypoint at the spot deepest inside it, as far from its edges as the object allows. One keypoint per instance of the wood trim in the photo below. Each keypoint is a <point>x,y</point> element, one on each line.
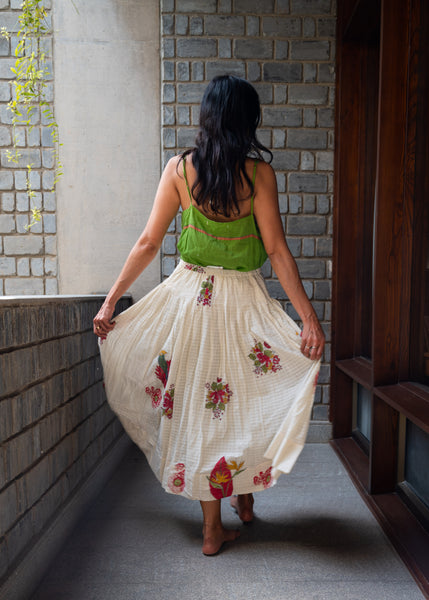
<point>359,369</point>
<point>391,180</point>
<point>383,449</point>
<point>407,535</point>
<point>408,399</point>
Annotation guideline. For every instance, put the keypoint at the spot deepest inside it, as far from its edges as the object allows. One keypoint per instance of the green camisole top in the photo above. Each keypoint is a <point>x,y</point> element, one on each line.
<point>229,244</point>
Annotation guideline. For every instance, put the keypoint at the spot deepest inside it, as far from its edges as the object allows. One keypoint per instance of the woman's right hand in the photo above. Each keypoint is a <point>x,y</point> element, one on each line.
<point>102,321</point>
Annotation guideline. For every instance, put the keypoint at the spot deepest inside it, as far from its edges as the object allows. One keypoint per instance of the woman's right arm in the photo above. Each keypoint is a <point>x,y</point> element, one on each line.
<point>267,215</point>
<point>165,207</point>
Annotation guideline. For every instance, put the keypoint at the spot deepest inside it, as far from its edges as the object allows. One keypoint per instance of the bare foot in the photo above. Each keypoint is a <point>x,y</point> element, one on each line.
<point>243,505</point>
<point>215,537</point>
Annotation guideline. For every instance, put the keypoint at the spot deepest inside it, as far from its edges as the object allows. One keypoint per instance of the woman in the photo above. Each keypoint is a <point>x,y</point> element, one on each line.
<point>207,373</point>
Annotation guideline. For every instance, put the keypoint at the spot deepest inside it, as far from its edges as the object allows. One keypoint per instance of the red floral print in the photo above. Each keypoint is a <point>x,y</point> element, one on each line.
<point>167,405</point>
<point>195,268</point>
<point>263,478</point>
<point>161,371</point>
<point>217,397</point>
<point>206,292</point>
<point>155,394</point>
<point>176,481</point>
<point>220,480</point>
<point>264,359</point>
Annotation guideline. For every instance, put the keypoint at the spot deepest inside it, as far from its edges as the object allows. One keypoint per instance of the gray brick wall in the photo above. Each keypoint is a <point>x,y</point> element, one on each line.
<point>55,424</point>
<point>28,263</point>
<point>286,48</point>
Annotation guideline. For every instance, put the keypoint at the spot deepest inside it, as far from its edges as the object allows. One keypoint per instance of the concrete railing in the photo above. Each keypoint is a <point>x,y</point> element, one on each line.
<point>59,439</point>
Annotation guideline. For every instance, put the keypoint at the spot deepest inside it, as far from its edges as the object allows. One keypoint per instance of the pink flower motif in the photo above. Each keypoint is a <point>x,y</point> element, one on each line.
<point>167,405</point>
<point>195,268</point>
<point>155,394</point>
<point>217,397</point>
<point>264,359</point>
<point>206,292</point>
<point>176,481</point>
<point>263,478</point>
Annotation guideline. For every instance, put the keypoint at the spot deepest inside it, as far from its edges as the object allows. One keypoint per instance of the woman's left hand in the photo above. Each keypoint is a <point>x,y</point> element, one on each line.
<point>313,340</point>
<point>102,321</point>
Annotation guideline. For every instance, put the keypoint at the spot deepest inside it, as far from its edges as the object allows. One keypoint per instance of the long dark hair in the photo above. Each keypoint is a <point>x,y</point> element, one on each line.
<point>230,113</point>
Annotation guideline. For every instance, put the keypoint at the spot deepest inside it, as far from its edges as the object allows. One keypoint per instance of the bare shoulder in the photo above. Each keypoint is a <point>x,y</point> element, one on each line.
<point>264,173</point>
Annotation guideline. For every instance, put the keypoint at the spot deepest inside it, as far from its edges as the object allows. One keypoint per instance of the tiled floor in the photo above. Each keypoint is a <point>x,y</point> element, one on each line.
<point>313,539</point>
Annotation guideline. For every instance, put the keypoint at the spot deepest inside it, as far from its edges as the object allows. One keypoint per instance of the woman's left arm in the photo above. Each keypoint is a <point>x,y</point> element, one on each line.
<point>165,207</point>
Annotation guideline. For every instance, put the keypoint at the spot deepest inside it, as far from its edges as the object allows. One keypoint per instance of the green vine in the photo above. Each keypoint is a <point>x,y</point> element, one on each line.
<point>30,86</point>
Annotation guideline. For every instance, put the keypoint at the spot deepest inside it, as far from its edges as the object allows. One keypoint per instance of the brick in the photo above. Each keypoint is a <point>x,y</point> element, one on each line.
<point>288,72</point>
<point>197,70</point>
<point>169,137</point>
<point>168,92</point>
<point>220,25</point>
<point>7,223</point>
<point>196,48</point>
<point>168,70</point>
<point>167,5</point>
<point>28,157</point>
<point>183,71</point>
<point>183,115</point>
<point>182,24</point>
<point>254,48</point>
<point>49,223</point>
<point>168,115</point>
<point>323,205</point>
<point>311,268</point>
<point>8,202</point>
<point>50,244</point>
<point>326,73</point>
<point>6,180</point>
<point>224,6</point>
<point>23,267</point>
<point>168,48</point>
<point>18,286</point>
<point>307,182</point>
<point>230,67</point>
<point>265,92</point>
<point>196,6</point>
<point>308,94</point>
<point>309,204</point>
<point>280,94</point>
<point>196,26</point>
<point>295,204</point>
<point>28,244</point>
<point>186,137</point>
<point>309,27</point>
<point>48,159</point>
<point>5,94</point>
<point>281,50</point>
<point>307,161</point>
<point>275,290</point>
<point>252,26</point>
<point>325,117</point>
<point>7,266</point>
<point>281,27</point>
<point>324,161</point>
<point>47,140</point>
<point>310,73</point>
<point>309,117</point>
<point>322,290</point>
<point>6,64</point>
<point>37,267</point>
<point>253,71</point>
<point>49,202</point>
<point>167,24</point>
<point>308,247</point>
<point>326,27</point>
<point>188,93</point>
<point>310,50</point>
<point>306,225</point>
<point>5,137</point>
<point>285,160</point>
<point>310,7</point>
<point>254,6</point>
<point>168,265</point>
<point>279,138</point>
<point>320,412</point>
<point>306,139</point>
<point>224,48</point>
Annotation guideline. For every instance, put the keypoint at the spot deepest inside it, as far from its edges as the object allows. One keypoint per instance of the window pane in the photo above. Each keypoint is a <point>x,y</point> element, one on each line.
<point>417,461</point>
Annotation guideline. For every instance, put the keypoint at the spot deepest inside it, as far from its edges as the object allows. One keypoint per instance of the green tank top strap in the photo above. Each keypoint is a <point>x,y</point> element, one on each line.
<point>253,183</point>
<point>186,180</point>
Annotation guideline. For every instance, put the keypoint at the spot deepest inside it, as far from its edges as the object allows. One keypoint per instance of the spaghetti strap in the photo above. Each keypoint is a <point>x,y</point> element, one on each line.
<point>253,183</point>
<point>186,180</point>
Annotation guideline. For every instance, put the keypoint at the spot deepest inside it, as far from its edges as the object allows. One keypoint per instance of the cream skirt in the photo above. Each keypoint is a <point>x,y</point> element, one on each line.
<point>206,375</point>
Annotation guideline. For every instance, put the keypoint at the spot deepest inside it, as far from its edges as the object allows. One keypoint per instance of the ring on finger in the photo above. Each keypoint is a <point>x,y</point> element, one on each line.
<point>98,327</point>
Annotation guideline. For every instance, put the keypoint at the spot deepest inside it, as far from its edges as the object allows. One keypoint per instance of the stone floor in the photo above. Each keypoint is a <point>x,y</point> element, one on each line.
<point>313,538</point>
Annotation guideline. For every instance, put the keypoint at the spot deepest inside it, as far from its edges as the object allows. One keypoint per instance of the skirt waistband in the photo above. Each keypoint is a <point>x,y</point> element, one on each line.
<point>213,270</point>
